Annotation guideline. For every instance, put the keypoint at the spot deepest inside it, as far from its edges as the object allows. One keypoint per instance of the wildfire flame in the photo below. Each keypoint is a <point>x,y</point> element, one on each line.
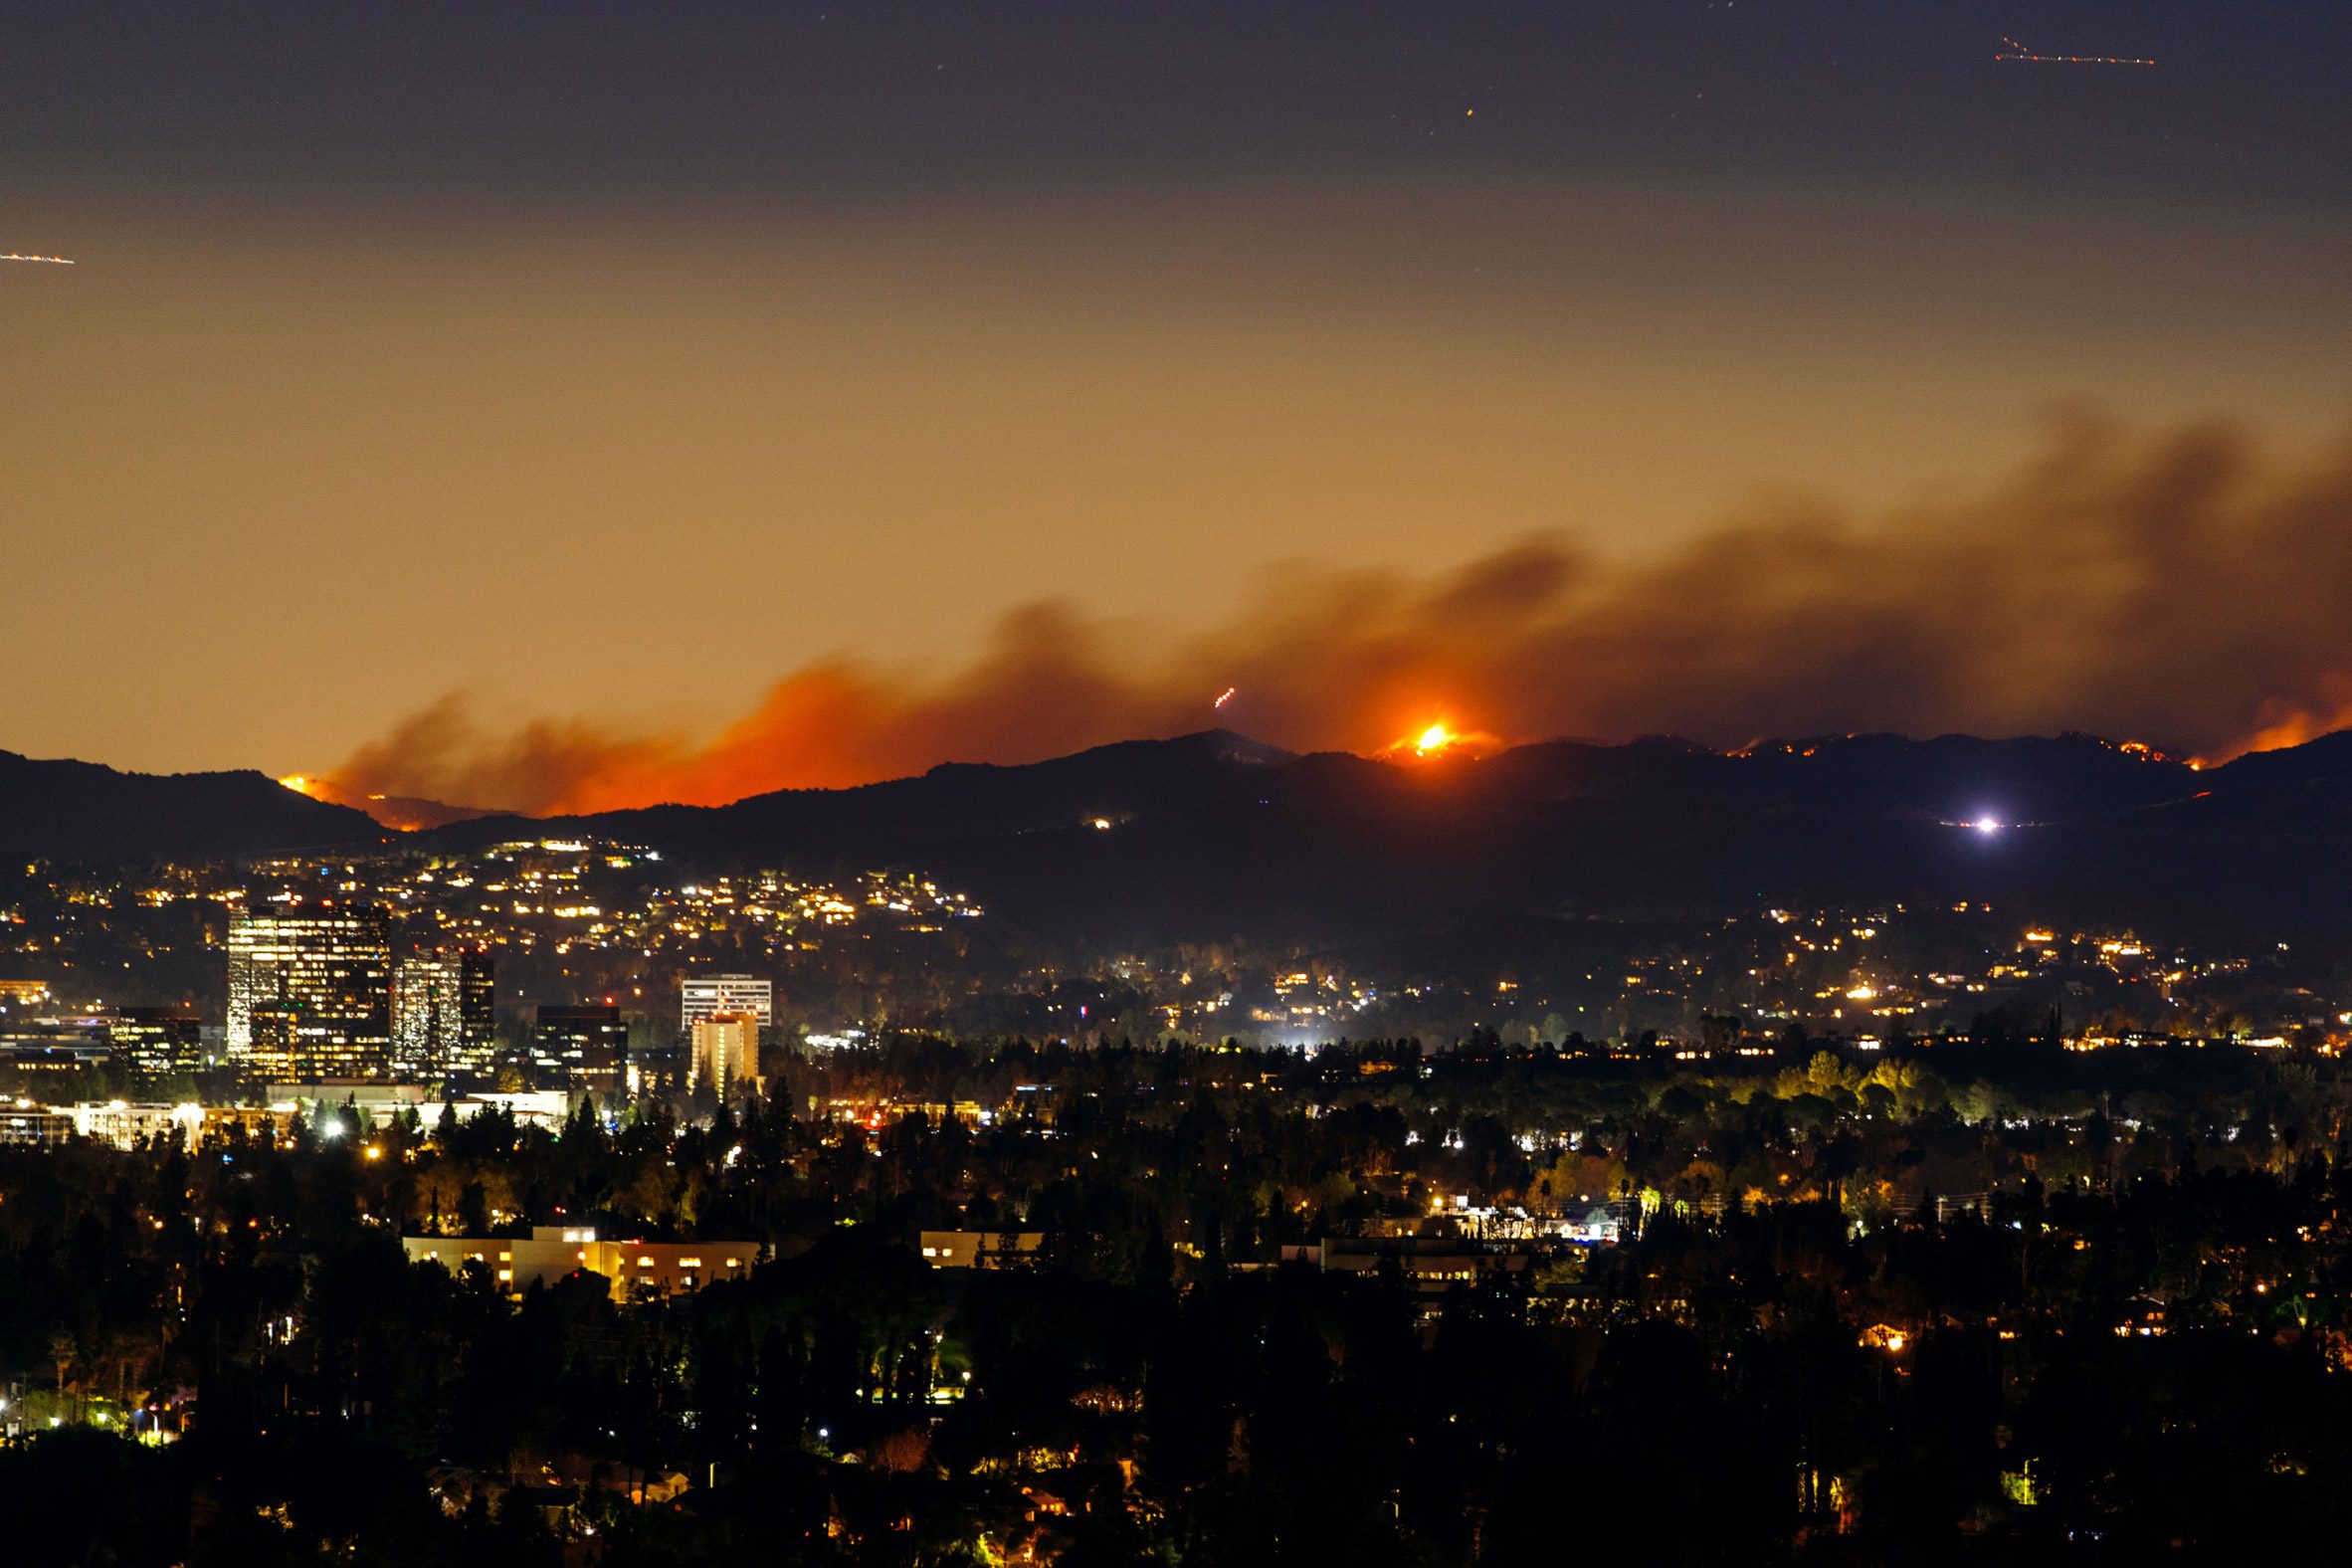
<point>1439,738</point>
<point>301,784</point>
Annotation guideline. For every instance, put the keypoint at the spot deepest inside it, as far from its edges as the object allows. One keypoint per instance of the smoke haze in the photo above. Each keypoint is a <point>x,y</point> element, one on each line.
<point>2184,587</point>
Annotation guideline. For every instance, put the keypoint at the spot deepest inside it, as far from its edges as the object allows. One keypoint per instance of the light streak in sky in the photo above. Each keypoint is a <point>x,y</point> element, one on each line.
<point>2019,50</point>
<point>1224,697</point>
<point>58,261</point>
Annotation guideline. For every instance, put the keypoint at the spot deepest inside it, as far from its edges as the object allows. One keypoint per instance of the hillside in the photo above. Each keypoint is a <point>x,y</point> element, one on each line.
<point>80,811</point>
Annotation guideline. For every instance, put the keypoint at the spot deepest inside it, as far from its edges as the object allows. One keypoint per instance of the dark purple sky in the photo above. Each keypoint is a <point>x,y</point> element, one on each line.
<point>786,102</point>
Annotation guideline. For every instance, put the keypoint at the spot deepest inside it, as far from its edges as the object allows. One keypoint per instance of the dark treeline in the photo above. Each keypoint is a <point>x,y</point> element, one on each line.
<point>1871,1310</point>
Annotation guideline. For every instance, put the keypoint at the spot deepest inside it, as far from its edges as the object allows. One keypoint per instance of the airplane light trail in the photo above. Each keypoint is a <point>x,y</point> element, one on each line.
<point>2021,52</point>
<point>1223,697</point>
<point>56,260</point>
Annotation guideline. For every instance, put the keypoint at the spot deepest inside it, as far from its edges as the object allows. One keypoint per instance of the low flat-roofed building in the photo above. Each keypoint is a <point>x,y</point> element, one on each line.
<point>638,1269</point>
<point>646,1268</point>
<point>530,1108</point>
<point>381,1102</point>
<point>53,1044</point>
<point>1435,1265</point>
<point>980,1248</point>
<point>123,1124</point>
<point>38,1125</point>
<point>371,1097</point>
<point>254,1121</point>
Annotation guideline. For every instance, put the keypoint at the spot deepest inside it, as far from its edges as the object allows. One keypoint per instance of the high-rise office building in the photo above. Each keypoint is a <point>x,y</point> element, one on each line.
<point>156,1041</point>
<point>444,1016</point>
<point>588,1045</point>
<point>701,996</point>
<point>310,993</point>
<point>725,1054</point>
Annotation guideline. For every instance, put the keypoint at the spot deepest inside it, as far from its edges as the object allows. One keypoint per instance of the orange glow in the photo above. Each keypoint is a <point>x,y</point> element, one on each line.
<point>2284,724</point>
<point>301,784</point>
<point>1441,740</point>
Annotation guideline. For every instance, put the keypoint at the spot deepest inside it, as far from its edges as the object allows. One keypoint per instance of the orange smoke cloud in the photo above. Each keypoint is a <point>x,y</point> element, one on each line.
<point>2288,723</point>
<point>2179,585</point>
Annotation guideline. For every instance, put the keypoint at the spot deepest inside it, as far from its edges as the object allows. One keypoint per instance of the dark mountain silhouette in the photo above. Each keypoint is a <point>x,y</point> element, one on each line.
<point>1214,834</point>
<point>80,811</point>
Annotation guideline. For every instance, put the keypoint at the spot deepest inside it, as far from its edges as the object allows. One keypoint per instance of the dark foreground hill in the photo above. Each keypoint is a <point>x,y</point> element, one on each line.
<point>1211,835</point>
<point>79,811</point>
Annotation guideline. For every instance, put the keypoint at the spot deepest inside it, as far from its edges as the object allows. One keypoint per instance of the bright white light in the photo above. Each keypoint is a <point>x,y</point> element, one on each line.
<point>1988,825</point>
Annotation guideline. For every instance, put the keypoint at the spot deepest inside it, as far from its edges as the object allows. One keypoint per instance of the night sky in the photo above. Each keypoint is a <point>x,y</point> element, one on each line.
<point>610,365</point>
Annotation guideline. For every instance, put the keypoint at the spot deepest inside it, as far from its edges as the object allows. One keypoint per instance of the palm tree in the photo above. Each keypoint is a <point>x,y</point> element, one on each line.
<point>60,1352</point>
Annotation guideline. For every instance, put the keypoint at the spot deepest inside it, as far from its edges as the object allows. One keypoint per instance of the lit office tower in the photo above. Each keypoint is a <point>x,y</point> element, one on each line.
<point>444,1016</point>
<point>725,1053</point>
<point>588,1045</point>
<point>704,995</point>
<point>310,993</point>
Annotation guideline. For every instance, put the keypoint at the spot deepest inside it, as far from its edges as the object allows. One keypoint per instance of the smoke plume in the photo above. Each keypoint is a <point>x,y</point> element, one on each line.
<point>2181,587</point>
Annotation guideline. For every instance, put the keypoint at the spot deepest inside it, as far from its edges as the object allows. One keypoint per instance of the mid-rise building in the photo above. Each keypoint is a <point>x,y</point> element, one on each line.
<point>588,1045</point>
<point>725,1054</point>
<point>444,1017</point>
<point>310,993</point>
<point>156,1041</point>
<point>700,996</point>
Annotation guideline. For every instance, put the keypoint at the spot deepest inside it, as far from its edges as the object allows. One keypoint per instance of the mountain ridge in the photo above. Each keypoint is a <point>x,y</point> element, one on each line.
<point>1213,834</point>
<point>66,810</point>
